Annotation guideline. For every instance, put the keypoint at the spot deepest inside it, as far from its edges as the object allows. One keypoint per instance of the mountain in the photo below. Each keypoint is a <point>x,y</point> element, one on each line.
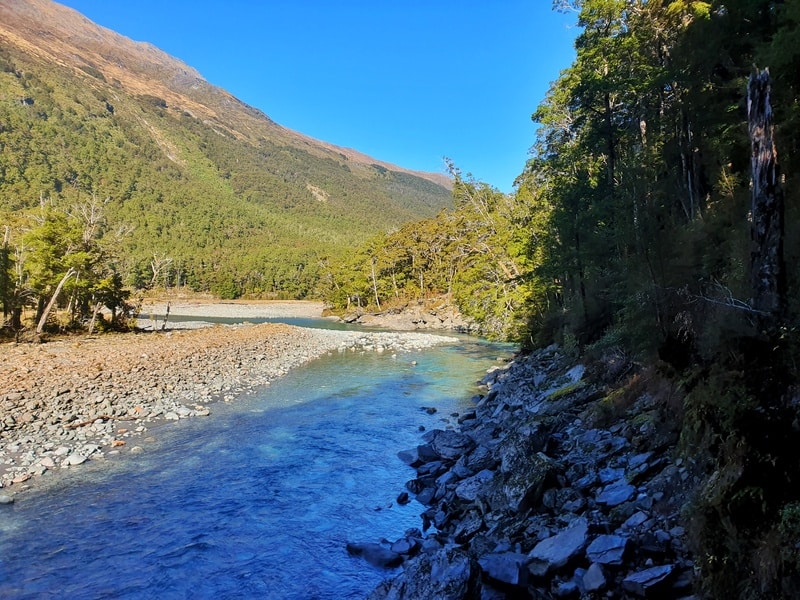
<point>196,176</point>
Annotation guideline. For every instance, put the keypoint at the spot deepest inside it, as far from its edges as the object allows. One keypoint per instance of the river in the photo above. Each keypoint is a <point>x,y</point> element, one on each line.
<point>258,501</point>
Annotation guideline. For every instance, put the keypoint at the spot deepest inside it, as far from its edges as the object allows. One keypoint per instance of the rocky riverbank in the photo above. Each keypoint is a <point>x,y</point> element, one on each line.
<point>75,400</point>
<point>557,485</point>
<point>436,314</point>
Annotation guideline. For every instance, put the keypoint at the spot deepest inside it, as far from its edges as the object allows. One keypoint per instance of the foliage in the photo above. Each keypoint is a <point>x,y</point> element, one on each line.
<point>229,200</point>
<point>643,159</point>
<point>477,254</point>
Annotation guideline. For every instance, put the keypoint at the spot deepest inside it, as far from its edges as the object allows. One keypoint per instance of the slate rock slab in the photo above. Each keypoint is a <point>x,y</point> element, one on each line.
<point>648,582</point>
<point>556,551</point>
<point>506,567</point>
<point>607,549</point>
<point>470,488</point>
<point>615,494</point>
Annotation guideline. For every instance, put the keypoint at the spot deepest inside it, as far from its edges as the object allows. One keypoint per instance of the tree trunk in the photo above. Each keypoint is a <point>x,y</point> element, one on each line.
<point>767,269</point>
<point>375,284</point>
<point>97,306</point>
<point>49,307</point>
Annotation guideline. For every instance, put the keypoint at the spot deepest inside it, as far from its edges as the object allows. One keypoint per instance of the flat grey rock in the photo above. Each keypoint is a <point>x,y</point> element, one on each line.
<point>607,549</point>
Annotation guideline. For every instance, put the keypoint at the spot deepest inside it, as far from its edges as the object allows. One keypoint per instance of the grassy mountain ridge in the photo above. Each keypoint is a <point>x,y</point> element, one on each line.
<point>196,174</point>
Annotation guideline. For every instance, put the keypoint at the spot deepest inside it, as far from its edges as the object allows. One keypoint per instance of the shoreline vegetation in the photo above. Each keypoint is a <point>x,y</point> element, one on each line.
<point>81,399</point>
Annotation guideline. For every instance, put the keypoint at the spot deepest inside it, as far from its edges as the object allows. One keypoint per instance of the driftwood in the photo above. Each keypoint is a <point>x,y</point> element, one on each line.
<point>767,269</point>
<point>99,418</point>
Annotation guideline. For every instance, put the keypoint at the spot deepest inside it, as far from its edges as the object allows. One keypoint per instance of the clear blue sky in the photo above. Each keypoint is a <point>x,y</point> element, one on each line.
<point>405,81</point>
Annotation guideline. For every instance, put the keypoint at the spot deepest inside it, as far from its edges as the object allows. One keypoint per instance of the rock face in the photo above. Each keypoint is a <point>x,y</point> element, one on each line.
<point>525,498</point>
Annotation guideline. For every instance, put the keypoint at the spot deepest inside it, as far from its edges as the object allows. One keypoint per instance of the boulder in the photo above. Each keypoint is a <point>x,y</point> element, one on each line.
<point>410,457</point>
<point>467,527</point>
<point>449,444</point>
<point>446,574</point>
<point>407,546</point>
<point>616,493</point>
<point>526,480</point>
<point>469,488</point>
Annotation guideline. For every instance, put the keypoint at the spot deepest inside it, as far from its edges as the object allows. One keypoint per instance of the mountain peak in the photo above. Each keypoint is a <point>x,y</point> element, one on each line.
<point>61,35</point>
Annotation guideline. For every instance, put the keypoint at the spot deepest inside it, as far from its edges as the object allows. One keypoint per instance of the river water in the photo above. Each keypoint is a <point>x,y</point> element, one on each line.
<point>257,501</point>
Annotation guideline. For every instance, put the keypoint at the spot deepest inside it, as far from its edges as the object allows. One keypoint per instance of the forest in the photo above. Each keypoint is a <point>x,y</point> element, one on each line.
<point>113,184</point>
<point>657,220</point>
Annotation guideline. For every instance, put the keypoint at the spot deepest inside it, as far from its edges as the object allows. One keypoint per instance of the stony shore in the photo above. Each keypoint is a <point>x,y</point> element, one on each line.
<point>69,401</point>
<point>555,486</point>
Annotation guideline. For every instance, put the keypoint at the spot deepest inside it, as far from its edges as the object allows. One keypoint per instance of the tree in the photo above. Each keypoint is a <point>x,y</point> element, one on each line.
<point>768,273</point>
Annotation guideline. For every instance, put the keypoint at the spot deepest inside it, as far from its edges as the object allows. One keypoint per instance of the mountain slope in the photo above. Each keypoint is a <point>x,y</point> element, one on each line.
<point>196,174</point>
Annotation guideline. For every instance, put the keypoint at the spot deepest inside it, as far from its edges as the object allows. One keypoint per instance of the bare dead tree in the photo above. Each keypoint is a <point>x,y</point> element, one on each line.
<point>157,264</point>
<point>49,307</point>
<point>91,214</point>
<point>767,269</point>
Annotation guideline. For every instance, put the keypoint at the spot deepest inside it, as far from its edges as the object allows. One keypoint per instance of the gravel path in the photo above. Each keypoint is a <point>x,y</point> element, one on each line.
<point>66,402</point>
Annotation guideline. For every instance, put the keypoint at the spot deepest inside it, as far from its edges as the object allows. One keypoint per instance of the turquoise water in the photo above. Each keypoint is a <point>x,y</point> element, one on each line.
<point>257,501</point>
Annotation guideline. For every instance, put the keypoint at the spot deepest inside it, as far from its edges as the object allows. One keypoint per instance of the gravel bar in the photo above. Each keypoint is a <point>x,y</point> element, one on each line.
<point>67,402</point>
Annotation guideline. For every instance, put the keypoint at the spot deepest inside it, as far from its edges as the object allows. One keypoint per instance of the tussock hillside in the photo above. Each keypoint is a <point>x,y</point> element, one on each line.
<point>182,168</point>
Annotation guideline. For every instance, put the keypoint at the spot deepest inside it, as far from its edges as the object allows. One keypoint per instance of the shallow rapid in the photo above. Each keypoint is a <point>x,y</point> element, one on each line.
<point>257,501</point>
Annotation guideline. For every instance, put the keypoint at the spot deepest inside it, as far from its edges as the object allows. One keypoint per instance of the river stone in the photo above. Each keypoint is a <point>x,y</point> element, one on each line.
<point>607,549</point>
<point>449,444</point>
<point>615,494</point>
<point>470,488</point>
<point>506,567</point>
<point>556,551</point>
<point>406,545</point>
<point>610,475</point>
<point>635,520</point>
<point>594,579</point>
<point>375,554</point>
<point>75,459</point>
<point>4,499</point>
<point>409,457</point>
<point>426,454</point>
<point>647,582</point>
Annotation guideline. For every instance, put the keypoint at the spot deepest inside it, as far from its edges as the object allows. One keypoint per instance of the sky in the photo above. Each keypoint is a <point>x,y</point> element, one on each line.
<point>408,82</point>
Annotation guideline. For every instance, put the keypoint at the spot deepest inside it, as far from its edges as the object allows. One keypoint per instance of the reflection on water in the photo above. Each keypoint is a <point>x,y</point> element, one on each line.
<point>257,501</point>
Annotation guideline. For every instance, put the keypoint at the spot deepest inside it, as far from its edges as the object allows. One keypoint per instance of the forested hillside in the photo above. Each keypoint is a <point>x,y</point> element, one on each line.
<point>658,224</point>
<point>183,184</point>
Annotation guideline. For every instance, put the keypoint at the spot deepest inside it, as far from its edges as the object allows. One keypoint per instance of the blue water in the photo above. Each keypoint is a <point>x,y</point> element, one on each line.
<point>257,501</point>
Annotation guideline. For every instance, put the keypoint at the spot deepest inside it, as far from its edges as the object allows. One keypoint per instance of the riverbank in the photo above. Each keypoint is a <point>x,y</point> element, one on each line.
<point>70,401</point>
<point>564,482</point>
<point>152,312</point>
